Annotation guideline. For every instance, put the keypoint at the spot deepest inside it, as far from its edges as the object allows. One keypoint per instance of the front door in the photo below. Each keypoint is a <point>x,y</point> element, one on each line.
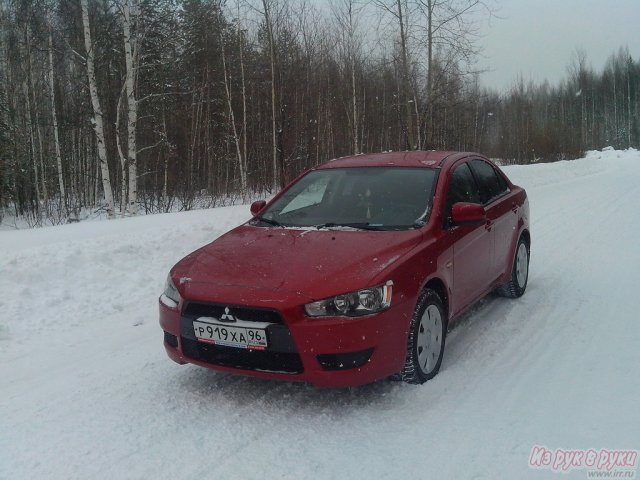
<point>472,244</point>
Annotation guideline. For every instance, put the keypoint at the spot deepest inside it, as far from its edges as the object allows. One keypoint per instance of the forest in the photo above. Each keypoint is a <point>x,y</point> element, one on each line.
<point>140,106</point>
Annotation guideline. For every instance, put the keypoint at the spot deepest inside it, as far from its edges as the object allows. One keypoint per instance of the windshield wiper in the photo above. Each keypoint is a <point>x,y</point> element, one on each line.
<point>275,223</point>
<point>357,225</point>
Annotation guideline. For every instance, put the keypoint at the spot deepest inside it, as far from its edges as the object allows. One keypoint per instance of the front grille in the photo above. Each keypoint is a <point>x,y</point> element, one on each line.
<point>216,310</point>
<point>265,360</point>
<point>280,356</point>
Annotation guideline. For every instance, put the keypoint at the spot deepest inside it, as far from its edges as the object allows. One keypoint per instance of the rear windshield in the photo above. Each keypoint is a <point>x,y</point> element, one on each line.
<point>375,198</point>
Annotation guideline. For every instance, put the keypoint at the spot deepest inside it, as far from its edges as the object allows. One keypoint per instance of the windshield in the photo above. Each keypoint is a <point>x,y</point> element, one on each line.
<point>373,198</point>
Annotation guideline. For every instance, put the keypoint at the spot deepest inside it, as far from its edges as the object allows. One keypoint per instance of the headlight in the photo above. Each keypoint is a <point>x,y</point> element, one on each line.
<point>354,304</point>
<point>170,297</point>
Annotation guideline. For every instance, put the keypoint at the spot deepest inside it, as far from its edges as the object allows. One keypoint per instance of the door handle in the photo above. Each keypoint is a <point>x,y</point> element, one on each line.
<point>514,208</point>
<point>488,225</point>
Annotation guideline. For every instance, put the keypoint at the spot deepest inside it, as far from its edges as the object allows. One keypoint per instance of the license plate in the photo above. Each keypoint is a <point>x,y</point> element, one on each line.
<point>227,335</point>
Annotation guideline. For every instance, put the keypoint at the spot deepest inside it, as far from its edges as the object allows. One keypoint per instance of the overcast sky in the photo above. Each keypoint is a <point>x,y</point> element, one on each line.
<point>537,38</point>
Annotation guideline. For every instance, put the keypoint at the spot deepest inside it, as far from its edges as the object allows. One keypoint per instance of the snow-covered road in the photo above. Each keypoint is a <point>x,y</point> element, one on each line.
<point>86,390</point>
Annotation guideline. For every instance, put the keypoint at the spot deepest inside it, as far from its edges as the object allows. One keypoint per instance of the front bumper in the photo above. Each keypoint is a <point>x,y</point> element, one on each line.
<point>327,352</point>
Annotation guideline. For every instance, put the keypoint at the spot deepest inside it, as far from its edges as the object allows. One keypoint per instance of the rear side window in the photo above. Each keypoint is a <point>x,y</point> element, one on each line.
<point>463,188</point>
<point>490,183</point>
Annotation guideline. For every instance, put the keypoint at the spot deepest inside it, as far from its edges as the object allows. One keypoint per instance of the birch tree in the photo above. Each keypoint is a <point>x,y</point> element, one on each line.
<point>346,13</point>
<point>268,18</point>
<point>240,35</point>
<point>129,16</point>
<point>398,10</point>
<point>37,143</point>
<point>449,27</point>
<point>54,123</point>
<point>232,119</point>
<point>98,124</point>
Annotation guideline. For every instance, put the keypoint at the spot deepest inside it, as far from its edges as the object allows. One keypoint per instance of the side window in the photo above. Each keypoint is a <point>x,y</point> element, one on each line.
<point>491,184</point>
<point>463,188</point>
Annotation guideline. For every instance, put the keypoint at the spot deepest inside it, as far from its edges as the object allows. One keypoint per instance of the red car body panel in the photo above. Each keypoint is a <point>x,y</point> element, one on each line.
<point>282,269</point>
<point>326,262</point>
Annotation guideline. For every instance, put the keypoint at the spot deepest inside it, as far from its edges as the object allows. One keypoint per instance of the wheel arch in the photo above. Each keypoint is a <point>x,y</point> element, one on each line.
<point>438,286</point>
<point>527,237</point>
<point>524,232</point>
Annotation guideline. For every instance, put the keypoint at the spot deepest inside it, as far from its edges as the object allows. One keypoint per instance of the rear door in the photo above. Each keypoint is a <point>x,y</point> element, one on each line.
<point>501,214</point>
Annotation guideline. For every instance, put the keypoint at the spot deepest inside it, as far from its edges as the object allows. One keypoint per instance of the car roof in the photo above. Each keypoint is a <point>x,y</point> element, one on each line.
<point>413,158</point>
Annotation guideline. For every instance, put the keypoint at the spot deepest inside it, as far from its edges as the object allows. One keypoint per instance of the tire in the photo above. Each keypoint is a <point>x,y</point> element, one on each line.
<point>425,344</point>
<point>519,272</point>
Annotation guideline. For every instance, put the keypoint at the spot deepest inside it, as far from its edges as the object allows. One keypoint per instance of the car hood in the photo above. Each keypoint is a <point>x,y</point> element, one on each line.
<point>308,263</point>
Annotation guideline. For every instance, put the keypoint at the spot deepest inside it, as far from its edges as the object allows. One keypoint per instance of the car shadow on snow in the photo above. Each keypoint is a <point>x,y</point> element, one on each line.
<point>298,396</point>
<point>482,331</point>
<point>470,342</point>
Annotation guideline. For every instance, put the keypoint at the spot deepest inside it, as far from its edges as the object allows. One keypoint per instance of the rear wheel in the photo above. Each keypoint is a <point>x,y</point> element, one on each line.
<point>425,345</point>
<point>519,272</point>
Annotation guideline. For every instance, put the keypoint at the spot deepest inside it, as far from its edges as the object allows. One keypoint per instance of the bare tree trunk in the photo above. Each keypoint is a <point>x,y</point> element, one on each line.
<point>318,124</point>
<point>121,156</point>
<point>54,120</point>
<point>629,62</point>
<point>354,95</point>
<point>165,199</point>
<point>406,95</point>
<point>356,147</point>
<point>232,117</point>
<point>346,15</point>
<point>274,132</point>
<point>130,12</point>
<point>615,108</point>
<point>36,124</point>
<point>429,137</point>
<point>244,103</point>
<point>32,143</point>
<point>97,110</point>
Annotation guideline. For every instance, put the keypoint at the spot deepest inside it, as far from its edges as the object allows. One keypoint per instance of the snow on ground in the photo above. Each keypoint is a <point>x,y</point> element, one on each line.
<point>88,392</point>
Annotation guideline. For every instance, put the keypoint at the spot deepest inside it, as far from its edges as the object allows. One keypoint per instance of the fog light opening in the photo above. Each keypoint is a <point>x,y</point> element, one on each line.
<point>170,340</point>
<point>344,361</point>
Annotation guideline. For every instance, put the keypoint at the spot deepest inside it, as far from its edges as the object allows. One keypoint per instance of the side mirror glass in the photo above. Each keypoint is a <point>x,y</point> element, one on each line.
<point>257,206</point>
<point>463,213</point>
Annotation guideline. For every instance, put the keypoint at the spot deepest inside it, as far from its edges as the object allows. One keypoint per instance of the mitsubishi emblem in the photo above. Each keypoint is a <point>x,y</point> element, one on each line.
<point>227,317</point>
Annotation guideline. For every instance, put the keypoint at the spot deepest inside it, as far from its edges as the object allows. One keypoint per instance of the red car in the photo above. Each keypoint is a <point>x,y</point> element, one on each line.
<point>352,273</point>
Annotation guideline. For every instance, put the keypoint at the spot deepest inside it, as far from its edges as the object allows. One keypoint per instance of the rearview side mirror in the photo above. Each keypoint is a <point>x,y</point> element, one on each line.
<point>257,206</point>
<point>463,213</point>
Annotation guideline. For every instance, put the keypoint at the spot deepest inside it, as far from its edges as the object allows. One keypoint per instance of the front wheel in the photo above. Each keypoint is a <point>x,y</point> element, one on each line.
<point>519,272</point>
<point>425,345</point>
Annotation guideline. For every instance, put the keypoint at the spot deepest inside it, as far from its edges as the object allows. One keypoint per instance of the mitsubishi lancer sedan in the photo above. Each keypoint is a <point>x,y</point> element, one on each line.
<point>353,273</point>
